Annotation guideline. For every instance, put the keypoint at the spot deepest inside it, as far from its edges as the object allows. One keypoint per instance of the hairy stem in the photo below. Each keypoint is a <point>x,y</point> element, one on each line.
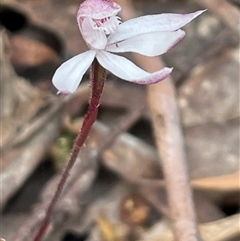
<point>97,77</point>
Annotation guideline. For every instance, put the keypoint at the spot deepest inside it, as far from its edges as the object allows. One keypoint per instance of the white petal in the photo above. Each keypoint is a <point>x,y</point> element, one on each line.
<point>96,38</point>
<point>127,70</point>
<point>151,23</point>
<point>149,44</point>
<point>68,76</point>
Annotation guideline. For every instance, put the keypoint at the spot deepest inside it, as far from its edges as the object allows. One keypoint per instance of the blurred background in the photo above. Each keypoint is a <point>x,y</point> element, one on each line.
<point>116,191</point>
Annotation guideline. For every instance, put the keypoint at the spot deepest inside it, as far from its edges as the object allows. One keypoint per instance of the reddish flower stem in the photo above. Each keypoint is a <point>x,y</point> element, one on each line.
<point>97,77</point>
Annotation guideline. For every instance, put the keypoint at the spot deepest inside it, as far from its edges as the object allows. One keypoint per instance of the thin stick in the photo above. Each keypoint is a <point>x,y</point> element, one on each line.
<point>97,77</point>
<point>170,143</point>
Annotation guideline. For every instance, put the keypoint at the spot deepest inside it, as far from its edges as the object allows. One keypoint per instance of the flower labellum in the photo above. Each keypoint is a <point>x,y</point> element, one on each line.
<point>105,35</point>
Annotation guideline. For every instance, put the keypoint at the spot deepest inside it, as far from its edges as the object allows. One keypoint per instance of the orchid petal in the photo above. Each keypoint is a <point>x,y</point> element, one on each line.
<point>127,70</point>
<point>68,76</point>
<point>151,23</point>
<point>149,44</point>
<point>94,37</point>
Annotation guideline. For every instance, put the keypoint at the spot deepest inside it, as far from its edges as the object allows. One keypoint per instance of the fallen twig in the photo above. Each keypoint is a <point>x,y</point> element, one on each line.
<point>170,145</point>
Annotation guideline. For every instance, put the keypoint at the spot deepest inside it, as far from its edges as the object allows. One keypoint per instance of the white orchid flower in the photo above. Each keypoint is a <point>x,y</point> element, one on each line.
<point>105,35</point>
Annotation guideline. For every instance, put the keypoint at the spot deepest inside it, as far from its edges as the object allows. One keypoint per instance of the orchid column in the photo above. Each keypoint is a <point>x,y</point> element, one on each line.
<point>105,35</point>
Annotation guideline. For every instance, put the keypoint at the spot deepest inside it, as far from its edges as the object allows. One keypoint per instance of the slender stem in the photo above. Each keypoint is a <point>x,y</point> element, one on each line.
<point>97,77</point>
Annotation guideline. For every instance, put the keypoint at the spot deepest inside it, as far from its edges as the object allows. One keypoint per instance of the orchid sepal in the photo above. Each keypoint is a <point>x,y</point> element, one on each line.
<point>105,35</point>
<point>127,70</point>
<point>69,75</point>
<point>148,44</point>
<point>165,22</point>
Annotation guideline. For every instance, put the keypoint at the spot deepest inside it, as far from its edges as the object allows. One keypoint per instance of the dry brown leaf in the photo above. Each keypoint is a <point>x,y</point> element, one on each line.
<point>26,51</point>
